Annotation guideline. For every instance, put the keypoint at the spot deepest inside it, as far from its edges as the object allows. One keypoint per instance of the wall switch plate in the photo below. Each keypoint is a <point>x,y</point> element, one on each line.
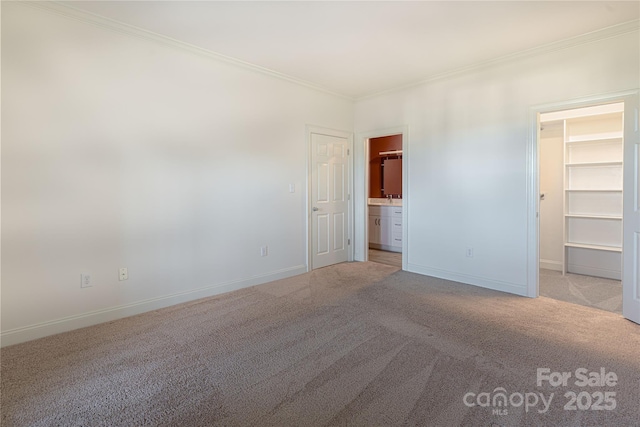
<point>85,280</point>
<point>264,250</point>
<point>124,273</point>
<point>469,252</point>
<point>292,188</point>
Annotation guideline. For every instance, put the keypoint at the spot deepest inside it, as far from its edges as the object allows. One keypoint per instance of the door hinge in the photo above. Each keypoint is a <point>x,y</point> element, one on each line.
<point>348,241</point>
<point>348,151</point>
<point>348,196</point>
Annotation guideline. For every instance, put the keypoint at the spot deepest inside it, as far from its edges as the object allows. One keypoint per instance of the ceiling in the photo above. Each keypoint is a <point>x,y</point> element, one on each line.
<point>361,48</point>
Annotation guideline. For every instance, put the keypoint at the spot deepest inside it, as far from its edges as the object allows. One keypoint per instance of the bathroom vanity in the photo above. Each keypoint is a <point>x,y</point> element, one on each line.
<point>385,224</point>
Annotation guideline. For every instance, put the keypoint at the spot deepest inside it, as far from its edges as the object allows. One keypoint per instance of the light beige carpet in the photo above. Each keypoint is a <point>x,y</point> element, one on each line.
<point>358,344</point>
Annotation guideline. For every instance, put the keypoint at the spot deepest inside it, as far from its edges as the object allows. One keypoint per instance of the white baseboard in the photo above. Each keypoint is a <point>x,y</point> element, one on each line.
<point>548,264</point>
<point>31,332</point>
<point>595,271</point>
<point>482,282</point>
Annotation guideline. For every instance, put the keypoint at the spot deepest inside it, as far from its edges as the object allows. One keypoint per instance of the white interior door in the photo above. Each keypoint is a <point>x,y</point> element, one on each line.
<point>329,200</point>
<point>631,217</point>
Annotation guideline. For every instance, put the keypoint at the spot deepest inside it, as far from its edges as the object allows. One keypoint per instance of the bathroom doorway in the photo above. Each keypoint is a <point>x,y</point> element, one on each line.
<point>385,199</point>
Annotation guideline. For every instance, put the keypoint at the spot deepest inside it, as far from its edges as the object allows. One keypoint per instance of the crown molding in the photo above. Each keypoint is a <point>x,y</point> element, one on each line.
<point>591,37</point>
<point>133,31</point>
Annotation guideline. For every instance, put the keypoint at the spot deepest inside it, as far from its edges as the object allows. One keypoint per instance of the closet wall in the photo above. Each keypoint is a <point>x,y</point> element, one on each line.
<point>551,207</point>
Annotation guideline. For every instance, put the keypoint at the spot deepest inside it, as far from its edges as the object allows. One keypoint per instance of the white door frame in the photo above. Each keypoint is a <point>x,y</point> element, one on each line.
<point>361,191</point>
<point>630,98</point>
<point>310,129</point>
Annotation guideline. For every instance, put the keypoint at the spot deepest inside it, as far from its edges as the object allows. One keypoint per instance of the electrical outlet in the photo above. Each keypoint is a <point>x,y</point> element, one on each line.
<point>264,250</point>
<point>469,252</point>
<point>85,280</point>
<point>124,273</point>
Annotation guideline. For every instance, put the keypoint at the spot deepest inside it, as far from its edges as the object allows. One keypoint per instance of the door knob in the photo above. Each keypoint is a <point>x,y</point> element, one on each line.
<point>314,209</point>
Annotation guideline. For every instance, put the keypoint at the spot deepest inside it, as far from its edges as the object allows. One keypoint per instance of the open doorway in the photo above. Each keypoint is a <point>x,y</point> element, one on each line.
<point>581,205</point>
<point>385,199</point>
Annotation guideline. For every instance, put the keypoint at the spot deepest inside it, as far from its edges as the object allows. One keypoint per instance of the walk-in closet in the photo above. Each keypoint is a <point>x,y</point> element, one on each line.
<point>581,165</point>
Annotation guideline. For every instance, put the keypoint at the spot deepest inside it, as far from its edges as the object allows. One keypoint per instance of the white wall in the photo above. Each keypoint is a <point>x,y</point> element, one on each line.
<point>467,155</point>
<point>123,152</point>
<point>551,208</point>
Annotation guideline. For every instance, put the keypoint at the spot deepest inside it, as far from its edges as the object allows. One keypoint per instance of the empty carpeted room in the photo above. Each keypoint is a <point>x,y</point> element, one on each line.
<point>186,213</point>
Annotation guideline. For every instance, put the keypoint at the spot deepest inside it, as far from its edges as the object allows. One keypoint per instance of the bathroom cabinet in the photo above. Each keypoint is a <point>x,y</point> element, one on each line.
<point>385,227</point>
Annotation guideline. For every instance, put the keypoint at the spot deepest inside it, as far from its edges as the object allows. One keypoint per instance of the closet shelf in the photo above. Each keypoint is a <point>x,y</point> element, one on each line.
<point>593,156</point>
<point>595,141</point>
<point>587,164</point>
<point>587,190</point>
<point>596,247</point>
<point>609,136</point>
<point>593,216</point>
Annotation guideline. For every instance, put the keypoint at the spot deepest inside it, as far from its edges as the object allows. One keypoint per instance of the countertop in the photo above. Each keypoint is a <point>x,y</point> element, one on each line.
<point>384,202</point>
